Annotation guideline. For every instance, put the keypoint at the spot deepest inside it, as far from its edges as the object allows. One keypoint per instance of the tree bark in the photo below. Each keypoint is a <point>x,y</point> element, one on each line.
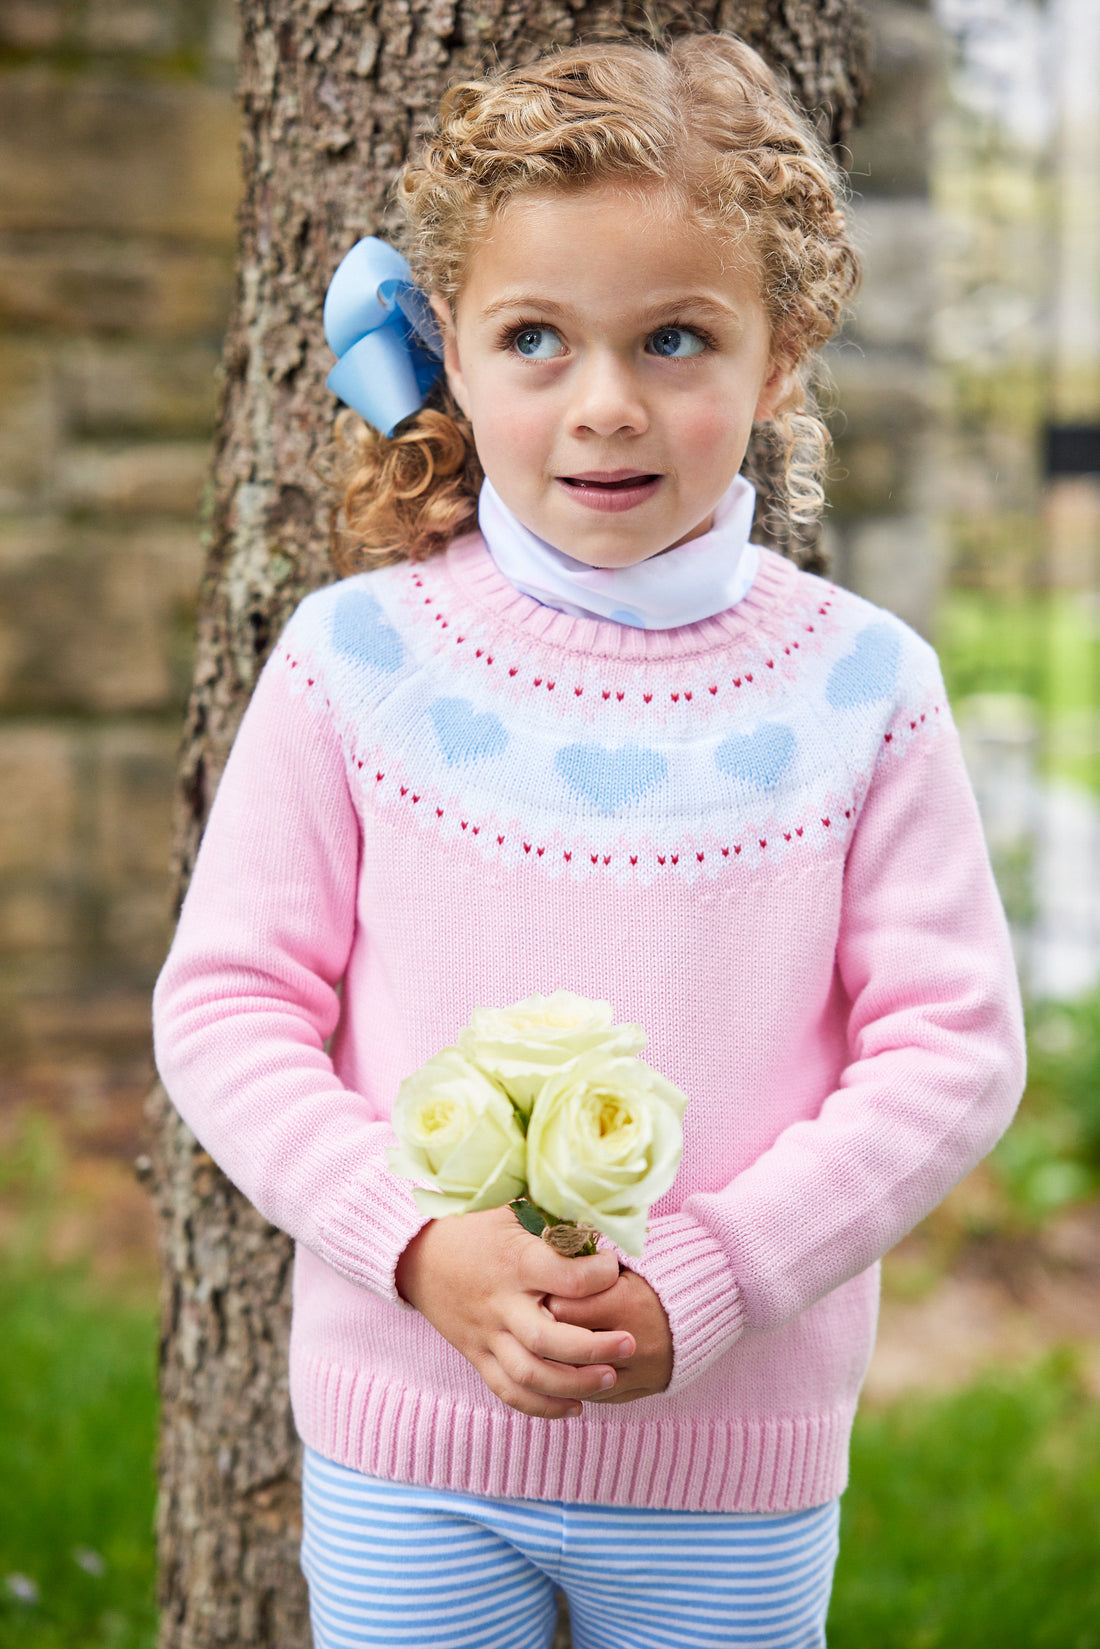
<point>333,91</point>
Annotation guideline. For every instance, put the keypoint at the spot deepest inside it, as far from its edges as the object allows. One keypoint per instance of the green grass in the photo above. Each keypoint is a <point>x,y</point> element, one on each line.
<point>971,1521</point>
<point>77,1440</point>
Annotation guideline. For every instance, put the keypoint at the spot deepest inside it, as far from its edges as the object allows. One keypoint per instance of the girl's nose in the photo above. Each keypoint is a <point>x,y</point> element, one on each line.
<point>607,398</point>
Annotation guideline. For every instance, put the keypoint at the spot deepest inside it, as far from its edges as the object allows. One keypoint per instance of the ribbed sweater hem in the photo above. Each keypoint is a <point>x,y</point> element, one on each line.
<point>781,1463</point>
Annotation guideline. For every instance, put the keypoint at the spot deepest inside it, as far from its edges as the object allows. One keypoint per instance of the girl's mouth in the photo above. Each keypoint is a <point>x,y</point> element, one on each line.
<point>611,489</point>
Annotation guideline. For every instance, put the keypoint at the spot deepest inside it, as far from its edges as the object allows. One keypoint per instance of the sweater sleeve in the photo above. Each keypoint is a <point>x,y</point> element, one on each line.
<point>250,993</point>
<point>935,1071</point>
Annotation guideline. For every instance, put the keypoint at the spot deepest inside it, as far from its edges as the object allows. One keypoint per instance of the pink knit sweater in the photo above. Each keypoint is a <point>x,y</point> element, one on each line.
<point>752,835</point>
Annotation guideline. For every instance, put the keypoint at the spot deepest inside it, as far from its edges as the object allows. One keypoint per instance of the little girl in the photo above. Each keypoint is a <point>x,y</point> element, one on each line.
<point>575,731</point>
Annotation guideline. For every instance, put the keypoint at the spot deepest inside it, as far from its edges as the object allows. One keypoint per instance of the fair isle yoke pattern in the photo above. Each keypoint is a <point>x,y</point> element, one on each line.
<point>752,744</point>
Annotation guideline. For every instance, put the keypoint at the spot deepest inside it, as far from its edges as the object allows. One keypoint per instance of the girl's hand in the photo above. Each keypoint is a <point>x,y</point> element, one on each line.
<point>482,1281</point>
<point>628,1304</point>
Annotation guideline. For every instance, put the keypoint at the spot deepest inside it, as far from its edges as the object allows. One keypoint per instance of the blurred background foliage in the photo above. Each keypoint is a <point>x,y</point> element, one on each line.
<point>965,497</point>
<point>1051,1156</point>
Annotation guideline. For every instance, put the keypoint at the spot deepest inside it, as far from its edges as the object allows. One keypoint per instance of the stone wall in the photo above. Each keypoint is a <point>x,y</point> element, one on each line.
<point>118,186</point>
<point>118,182</point>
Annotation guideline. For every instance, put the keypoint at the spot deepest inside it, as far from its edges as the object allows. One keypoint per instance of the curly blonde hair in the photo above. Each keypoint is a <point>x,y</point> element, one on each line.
<point>704,116</point>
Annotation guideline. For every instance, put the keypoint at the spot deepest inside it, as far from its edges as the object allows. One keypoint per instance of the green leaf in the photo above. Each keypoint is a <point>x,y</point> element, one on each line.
<point>531,1218</point>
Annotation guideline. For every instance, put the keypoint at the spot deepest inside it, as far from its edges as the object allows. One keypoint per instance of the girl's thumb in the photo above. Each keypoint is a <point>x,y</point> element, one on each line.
<point>590,1274</point>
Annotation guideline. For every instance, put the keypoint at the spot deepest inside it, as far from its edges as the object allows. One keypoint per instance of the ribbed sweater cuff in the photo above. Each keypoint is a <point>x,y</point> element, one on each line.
<point>371,1226</point>
<point>690,1274</point>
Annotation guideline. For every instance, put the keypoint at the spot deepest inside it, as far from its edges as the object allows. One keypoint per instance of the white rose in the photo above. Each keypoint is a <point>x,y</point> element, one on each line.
<point>460,1132</point>
<point>603,1143</point>
<point>521,1046</point>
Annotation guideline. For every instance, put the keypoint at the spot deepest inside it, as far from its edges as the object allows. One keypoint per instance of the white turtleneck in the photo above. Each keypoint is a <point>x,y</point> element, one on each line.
<point>695,580</point>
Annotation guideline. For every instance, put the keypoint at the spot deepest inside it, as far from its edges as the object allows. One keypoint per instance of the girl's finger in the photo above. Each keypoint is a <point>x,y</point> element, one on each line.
<point>595,1311</point>
<point>538,1404</point>
<point>544,1272</point>
<point>552,1379</point>
<point>550,1341</point>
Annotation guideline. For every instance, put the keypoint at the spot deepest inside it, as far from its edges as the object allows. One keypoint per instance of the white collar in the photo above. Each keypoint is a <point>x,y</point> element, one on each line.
<point>694,581</point>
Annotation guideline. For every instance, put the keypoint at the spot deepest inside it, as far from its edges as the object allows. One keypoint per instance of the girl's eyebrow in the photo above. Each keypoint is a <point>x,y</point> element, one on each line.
<point>524,301</point>
<point>697,302</point>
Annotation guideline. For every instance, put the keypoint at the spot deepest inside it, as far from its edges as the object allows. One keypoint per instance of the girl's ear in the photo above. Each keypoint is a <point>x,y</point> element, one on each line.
<point>441,309</point>
<point>776,388</point>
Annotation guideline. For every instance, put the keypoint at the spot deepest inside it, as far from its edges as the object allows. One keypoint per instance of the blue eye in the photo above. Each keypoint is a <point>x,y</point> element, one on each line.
<point>676,343</point>
<point>538,343</point>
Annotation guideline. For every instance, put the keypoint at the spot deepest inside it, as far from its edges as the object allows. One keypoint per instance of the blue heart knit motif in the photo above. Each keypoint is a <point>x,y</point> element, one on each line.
<point>609,779</point>
<point>759,758</point>
<point>465,735</point>
<point>361,633</point>
<point>867,673</point>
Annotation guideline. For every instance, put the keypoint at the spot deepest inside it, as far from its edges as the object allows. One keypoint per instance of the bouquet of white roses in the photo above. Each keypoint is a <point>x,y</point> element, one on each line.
<point>544,1106</point>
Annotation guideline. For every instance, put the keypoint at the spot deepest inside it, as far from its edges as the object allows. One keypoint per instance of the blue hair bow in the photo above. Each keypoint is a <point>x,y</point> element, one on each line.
<point>382,328</point>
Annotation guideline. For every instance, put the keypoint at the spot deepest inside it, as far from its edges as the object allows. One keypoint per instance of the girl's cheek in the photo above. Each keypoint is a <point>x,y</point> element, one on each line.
<point>711,430</point>
<point>516,429</point>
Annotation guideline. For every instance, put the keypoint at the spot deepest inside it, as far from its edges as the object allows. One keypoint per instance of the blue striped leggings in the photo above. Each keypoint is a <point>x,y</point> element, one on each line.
<point>402,1567</point>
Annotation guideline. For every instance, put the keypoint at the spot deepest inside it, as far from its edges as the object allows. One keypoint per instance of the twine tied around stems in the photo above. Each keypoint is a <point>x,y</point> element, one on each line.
<point>571,1238</point>
<point>568,1237</point>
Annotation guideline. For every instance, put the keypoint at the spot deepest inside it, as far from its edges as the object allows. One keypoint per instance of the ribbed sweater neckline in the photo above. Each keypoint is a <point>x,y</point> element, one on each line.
<point>473,571</point>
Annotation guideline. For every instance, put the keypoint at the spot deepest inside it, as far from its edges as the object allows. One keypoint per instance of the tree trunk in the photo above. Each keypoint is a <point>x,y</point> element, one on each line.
<point>333,91</point>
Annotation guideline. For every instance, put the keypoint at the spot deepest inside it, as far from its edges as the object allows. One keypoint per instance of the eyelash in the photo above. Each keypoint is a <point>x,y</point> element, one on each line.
<point>508,335</point>
<point>699,332</point>
<point>507,338</point>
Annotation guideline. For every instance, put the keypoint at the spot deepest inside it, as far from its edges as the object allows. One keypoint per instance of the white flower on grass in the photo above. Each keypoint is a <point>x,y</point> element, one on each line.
<point>458,1131</point>
<point>21,1587</point>
<point>521,1046</point>
<point>603,1143</point>
<point>91,1561</point>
